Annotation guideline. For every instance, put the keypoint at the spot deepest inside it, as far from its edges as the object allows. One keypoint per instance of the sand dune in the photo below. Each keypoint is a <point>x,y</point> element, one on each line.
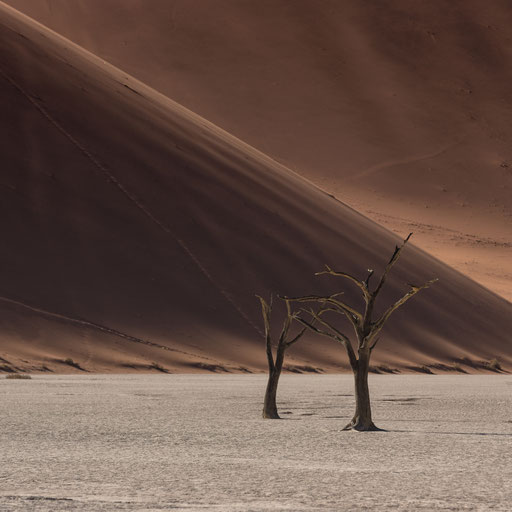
<point>131,225</point>
<point>400,109</point>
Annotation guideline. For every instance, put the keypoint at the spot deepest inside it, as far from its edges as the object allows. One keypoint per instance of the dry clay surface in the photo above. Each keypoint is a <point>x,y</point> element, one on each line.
<point>196,442</point>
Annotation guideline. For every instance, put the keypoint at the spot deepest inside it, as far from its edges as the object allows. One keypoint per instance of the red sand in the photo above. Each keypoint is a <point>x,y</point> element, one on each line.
<point>135,231</point>
<point>401,109</point>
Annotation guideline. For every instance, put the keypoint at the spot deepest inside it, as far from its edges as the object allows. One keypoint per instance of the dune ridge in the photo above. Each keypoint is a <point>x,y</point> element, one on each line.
<point>399,109</point>
<point>123,212</point>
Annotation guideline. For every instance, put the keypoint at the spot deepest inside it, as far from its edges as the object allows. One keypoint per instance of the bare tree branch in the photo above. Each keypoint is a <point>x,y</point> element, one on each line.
<point>392,261</point>
<point>325,323</point>
<point>367,280</point>
<point>372,346</point>
<point>334,334</point>
<point>287,323</point>
<point>361,284</point>
<point>295,316</point>
<point>379,324</point>
<point>297,337</point>
<point>354,316</point>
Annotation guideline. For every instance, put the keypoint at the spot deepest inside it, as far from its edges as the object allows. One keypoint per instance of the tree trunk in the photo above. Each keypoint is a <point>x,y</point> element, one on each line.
<point>269,404</point>
<point>362,419</point>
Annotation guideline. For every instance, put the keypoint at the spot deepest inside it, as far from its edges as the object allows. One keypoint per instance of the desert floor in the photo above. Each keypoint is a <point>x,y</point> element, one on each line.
<point>196,442</point>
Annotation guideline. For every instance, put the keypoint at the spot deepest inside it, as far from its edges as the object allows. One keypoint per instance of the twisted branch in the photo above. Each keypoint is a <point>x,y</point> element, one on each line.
<point>355,318</point>
<point>392,261</point>
<point>335,334</point>
<point>379,324</point>
<point>363,285</point>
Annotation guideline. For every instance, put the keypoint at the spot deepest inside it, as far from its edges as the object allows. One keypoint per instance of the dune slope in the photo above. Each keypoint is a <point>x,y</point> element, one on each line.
<point>137,232</point>
<point>401,109</point>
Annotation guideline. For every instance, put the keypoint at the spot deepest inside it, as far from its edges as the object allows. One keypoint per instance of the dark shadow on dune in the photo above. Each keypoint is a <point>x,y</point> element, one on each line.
<point>214,368</point>
<point>6,368</point>
<point>383,369</point>
<point>302,369</point>
<point>70,362</point>
<point>420,369</point>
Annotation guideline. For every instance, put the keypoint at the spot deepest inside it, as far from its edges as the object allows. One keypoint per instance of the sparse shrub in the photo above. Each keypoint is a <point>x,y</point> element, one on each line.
<point>210,367</point>
<point>72,363</point>
<point>447,368</point>
<point>466,361</point>
<point>493,365</point>
<point>458,368</point>
<point>384,368</point>
<point>421,369</point>
<point>310,369</point>
<point>22,376</point>
<point>292,369</point>
<point>158,367</point>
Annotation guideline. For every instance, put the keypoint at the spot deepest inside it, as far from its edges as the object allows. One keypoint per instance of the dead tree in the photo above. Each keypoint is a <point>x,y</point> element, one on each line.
<point>275,364</point>
<point>365,328</point>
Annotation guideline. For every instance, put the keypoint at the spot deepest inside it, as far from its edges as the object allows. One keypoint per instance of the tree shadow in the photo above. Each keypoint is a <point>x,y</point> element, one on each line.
<point>452,433</point>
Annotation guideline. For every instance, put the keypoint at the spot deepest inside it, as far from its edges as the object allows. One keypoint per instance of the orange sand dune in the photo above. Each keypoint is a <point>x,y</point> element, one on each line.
<point>136,232</point>
<point>401,109</point>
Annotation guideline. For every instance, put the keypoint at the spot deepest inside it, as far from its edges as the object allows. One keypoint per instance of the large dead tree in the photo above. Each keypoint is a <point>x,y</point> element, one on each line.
<point>275,364</point>
<point>365,327</point>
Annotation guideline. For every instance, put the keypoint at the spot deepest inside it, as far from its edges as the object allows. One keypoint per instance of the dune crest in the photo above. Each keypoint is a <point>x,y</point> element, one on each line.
<point>399,109</point>
<point>136,234</point>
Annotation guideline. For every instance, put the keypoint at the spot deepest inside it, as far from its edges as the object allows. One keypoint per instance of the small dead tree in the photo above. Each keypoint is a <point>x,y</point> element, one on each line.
<point>275,364</point>
<point>365,327</point>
